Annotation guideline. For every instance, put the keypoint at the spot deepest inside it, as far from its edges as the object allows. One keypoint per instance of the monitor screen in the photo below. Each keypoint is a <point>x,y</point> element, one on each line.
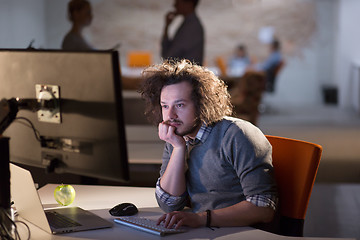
<point>86,134</point>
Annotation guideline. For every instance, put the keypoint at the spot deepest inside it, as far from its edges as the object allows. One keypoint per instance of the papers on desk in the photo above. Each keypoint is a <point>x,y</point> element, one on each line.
<point>131,71</point>
<point>237,71</point>
<point>232,72</point>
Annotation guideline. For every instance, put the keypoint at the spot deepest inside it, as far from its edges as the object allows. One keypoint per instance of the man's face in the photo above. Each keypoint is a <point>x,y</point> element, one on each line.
<point>178,109</point>
<point>84,16</point>
<point>179,6</point>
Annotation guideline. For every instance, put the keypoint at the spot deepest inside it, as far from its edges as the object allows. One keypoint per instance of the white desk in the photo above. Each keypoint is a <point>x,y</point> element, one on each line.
<point>99,199</point>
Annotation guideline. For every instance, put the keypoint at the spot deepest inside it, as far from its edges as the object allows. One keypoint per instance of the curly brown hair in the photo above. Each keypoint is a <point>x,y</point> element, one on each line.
<point>209,94</point>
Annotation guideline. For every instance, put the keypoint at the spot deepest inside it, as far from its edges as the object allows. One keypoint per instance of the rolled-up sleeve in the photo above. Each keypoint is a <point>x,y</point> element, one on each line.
<point>263,201</point>
<point>167,202</point>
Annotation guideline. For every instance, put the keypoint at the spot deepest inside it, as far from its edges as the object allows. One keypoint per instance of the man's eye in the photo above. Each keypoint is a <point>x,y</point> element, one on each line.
<point>165,106</point>
<point>180,105</point>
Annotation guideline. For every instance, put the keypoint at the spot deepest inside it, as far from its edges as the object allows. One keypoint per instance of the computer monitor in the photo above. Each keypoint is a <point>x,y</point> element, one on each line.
<point>87,135</point>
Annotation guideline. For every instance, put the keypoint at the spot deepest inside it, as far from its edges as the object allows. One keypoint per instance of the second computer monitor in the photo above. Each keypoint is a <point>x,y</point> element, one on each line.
<point>86,135</point>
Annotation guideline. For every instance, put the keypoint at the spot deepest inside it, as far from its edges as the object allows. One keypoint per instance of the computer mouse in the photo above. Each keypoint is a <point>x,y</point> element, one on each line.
<point>123,209</point>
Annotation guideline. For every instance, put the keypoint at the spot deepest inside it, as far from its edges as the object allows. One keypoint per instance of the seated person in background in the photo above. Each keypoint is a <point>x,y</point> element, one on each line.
<point>273,59</point>
<point>270,65</point>
<point>221,165</point>
<point>79,12</point>
<point>239,62</point>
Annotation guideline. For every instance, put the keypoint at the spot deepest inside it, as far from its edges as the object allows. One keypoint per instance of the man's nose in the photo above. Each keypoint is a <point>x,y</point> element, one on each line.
<point>172,113</point>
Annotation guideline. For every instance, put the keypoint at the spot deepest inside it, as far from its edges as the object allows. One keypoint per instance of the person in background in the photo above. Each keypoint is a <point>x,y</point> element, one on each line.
<point>239,62</point>
<point>188,41</point>
<point>271,64</point>
<point>80,15</point>
<point>221,165</point>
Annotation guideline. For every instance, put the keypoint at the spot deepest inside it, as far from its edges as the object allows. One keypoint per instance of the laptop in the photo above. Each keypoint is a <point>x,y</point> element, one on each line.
<point>55,221</point>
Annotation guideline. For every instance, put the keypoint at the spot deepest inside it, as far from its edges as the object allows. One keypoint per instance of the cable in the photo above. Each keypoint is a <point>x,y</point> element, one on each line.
<point>36,132</point>
<point>29,235</point>
<point>41,139</point>
<point>4,229</point>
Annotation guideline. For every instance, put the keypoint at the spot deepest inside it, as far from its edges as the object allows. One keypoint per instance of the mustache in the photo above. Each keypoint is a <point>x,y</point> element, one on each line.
<point>172,121</point>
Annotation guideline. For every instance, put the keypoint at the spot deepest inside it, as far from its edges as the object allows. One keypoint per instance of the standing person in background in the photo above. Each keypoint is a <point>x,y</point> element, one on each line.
<point>188,42</point>
<point>80,14</point>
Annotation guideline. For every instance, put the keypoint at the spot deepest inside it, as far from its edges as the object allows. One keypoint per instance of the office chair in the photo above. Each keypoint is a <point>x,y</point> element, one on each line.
<point>295,166</point>
<point>247,94</point>
<point>221,64</point>
<point>139,59</point>
<point>271,76</point>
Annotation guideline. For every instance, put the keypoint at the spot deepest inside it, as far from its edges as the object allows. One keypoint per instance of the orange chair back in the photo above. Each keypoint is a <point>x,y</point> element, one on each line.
<point>221,64</point>
<point>295,166</point>
<point>139,58</point>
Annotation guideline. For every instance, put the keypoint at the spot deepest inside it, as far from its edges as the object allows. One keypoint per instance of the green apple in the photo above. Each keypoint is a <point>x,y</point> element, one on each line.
<point>64,194</point>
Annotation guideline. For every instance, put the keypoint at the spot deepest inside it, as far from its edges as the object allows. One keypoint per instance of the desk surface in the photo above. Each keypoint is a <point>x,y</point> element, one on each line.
<point>99,199</point>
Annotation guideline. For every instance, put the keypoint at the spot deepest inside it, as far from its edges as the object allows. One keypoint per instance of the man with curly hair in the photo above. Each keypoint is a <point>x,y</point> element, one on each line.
<point>221,165</point>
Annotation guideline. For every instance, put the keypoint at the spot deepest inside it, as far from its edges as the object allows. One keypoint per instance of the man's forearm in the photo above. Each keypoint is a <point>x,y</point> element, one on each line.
<point>241,214</point>
<point>173,180</point>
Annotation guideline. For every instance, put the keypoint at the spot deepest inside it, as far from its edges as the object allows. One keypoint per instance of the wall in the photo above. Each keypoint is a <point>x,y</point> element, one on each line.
<point>306,26</point>
<point>348,48</point>
<point>21,22</point>
<point>305,75</point>
<point>56,23</point>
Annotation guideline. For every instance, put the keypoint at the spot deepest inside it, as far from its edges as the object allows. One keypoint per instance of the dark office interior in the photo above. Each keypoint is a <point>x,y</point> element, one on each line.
<point>316,97</point>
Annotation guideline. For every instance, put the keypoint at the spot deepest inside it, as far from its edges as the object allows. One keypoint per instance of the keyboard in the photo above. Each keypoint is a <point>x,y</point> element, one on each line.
<point>147,225</point>
<point>60,221</point>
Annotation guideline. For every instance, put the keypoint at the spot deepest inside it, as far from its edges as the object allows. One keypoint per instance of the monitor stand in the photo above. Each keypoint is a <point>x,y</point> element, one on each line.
<point>5,182</point>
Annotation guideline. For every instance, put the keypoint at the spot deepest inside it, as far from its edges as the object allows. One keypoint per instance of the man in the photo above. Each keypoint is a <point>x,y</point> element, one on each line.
<point>188,42</point>
<point>80,15</point>
<point>270,64</point>
<point>222,165</point>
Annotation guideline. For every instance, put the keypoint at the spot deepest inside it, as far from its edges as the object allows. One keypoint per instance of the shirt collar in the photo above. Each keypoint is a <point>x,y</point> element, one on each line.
<point>201,135</point>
